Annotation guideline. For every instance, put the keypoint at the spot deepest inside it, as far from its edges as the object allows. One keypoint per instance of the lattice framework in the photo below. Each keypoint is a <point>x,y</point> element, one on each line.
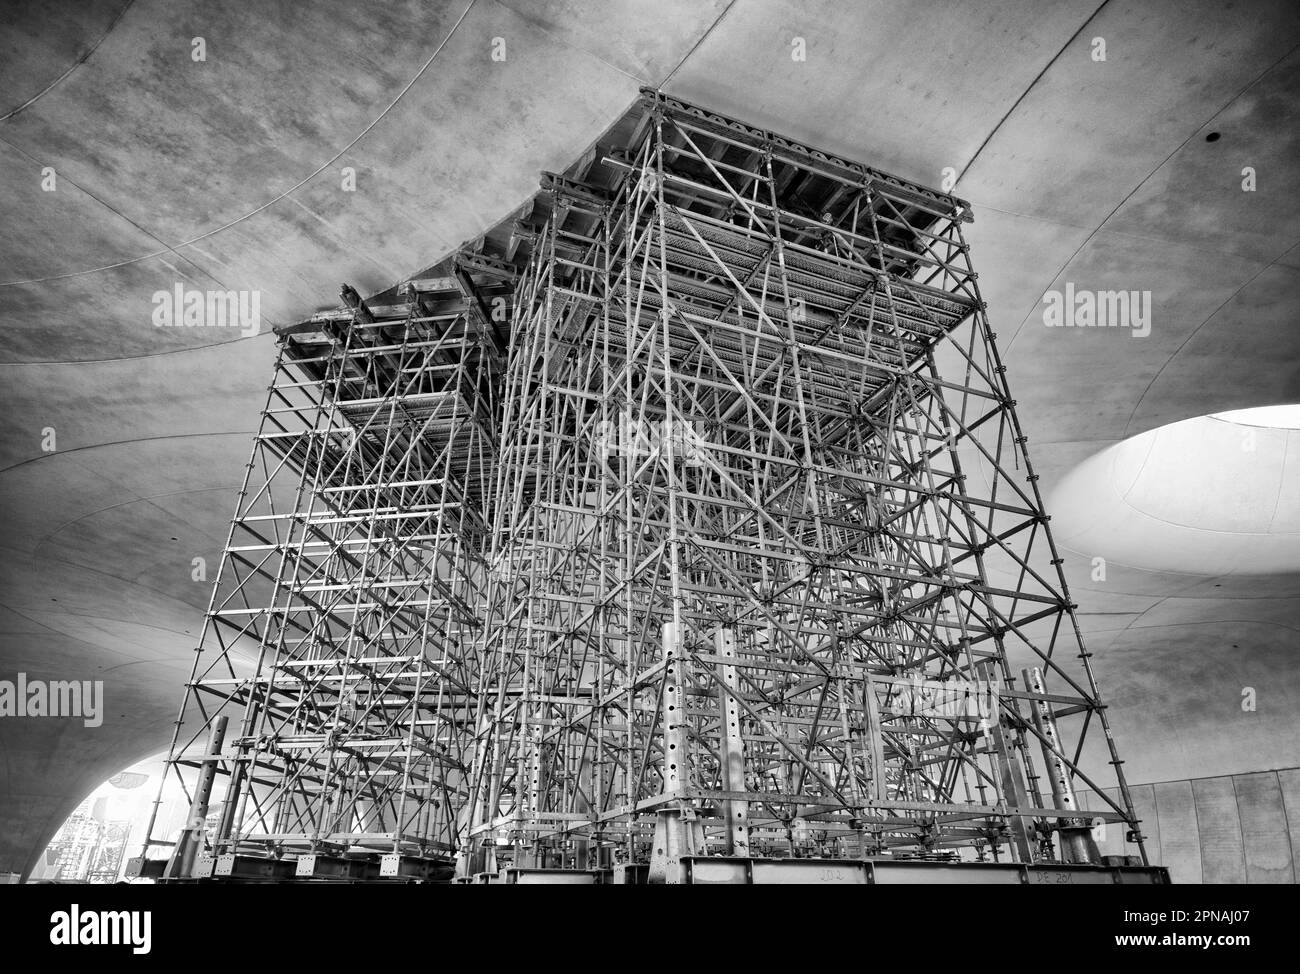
<point>727,542</point>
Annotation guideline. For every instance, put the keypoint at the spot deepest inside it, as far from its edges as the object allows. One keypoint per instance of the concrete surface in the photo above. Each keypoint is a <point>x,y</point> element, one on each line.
<point>1227,829</point>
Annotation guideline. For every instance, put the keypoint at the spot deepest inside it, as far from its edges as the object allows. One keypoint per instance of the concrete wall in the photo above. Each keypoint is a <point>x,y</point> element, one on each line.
<point>1242,828</point>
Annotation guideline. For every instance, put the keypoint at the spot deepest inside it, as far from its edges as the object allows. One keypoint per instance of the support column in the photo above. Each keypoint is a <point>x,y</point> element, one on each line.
<point>676,765</point>
<point>677,829</point>
<point>531,812</point>
<point>735,811</point>
<point>1012,774</point>
<point>181,864</point>
<point>1077,843</point>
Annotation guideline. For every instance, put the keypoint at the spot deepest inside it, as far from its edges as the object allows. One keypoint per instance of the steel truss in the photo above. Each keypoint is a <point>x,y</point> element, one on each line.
<point>745,603</point>
<point>340,644</point>
<point>725,544</point>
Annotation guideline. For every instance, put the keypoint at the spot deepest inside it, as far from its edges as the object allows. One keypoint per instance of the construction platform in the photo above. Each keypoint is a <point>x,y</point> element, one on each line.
<point>684,520</point>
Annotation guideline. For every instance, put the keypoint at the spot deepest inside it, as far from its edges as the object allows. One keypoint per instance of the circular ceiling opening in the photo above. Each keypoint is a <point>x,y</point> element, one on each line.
<point>1271,417</point>
<point>1214,495</point>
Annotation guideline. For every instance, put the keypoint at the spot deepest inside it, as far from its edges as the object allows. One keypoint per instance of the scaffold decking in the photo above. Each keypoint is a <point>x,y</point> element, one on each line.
<point>680,527</point>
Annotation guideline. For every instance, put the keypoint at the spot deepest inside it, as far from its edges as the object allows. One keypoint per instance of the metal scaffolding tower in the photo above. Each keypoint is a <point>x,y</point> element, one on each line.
<point>334,684</point>
<point>726,562</point>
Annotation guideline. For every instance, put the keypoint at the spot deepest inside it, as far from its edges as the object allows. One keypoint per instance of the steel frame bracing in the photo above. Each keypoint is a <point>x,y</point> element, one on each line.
<point>726,543</point>
<point>745,577</point>
<point>338,655</point>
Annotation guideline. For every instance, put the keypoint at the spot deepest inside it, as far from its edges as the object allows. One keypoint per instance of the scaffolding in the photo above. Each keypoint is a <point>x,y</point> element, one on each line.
<point>88,848</point>
<point>683,523</point>
<point>333,685</point>
<point>745,600</point>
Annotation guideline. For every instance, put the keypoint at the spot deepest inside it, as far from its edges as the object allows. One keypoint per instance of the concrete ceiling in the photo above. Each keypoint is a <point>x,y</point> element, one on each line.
<point>227,173</point>
<point>1131,500</point>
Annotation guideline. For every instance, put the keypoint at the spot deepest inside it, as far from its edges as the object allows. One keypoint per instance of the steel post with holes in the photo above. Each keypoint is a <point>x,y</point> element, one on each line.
<point>735,810</point>
<point>190,842</point>
<point>1077,843</point>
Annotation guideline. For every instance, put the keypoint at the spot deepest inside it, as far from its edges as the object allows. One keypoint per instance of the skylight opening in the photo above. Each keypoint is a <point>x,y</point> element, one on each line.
<point>1284,417</point>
